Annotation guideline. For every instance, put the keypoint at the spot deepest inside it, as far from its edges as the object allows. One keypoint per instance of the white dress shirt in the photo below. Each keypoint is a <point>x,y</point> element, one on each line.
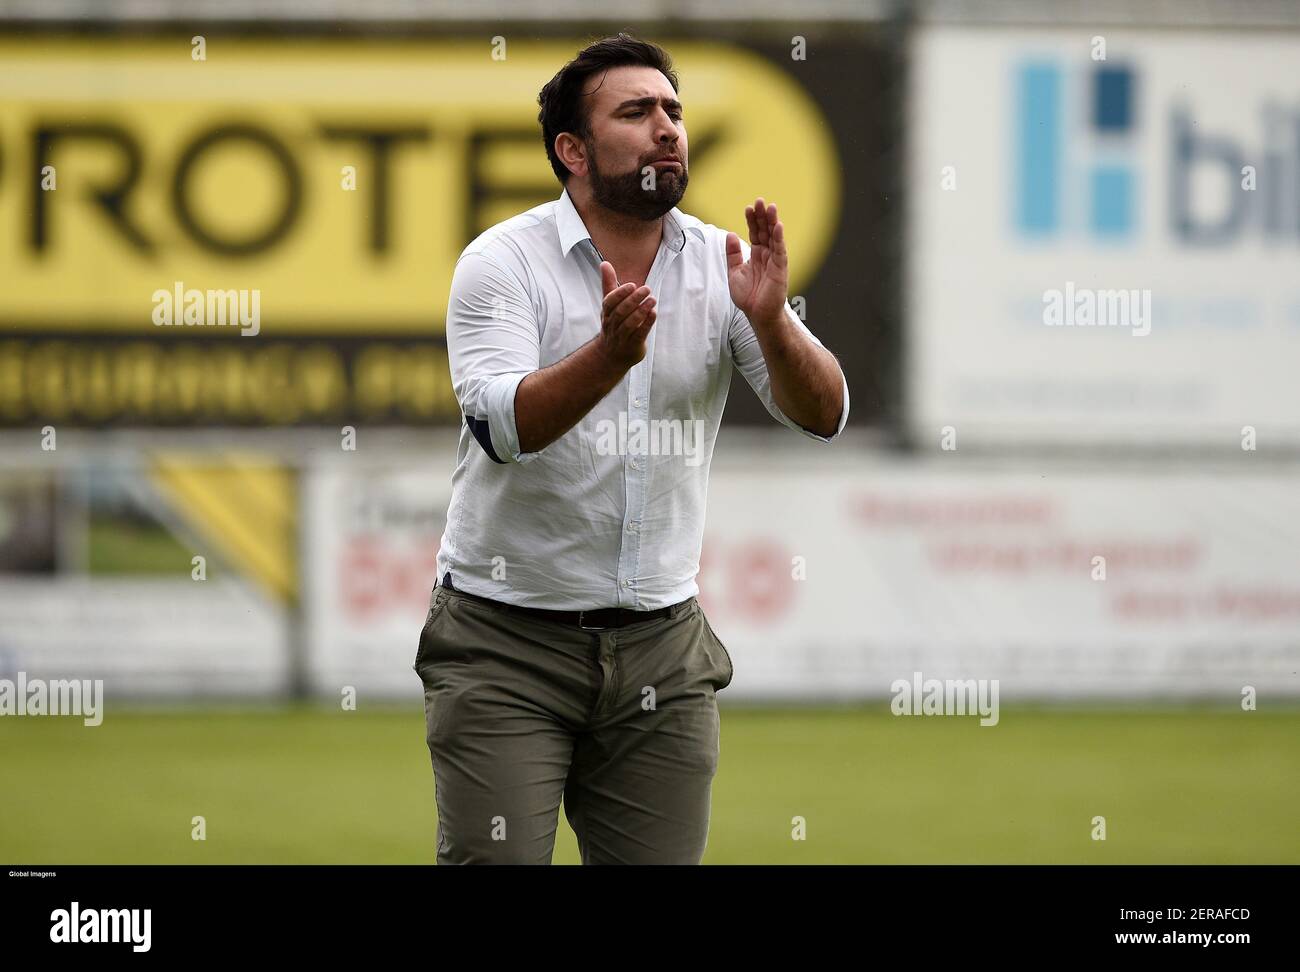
<point>611,514</point>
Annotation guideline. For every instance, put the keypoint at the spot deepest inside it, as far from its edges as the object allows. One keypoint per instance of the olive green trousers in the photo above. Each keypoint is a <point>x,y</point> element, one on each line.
<point>619,724</point>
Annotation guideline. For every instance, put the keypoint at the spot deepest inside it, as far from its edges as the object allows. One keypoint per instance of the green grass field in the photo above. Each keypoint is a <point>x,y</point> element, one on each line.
<point>306,785</point>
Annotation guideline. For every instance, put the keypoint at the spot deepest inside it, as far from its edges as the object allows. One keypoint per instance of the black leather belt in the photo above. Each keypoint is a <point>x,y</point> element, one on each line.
<point>599,618</point>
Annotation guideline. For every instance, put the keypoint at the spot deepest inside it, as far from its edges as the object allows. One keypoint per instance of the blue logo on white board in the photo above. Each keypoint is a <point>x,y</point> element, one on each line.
<point>1074,152</point>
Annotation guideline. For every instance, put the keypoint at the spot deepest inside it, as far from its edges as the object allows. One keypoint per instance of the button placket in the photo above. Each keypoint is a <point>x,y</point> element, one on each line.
<point>636,484</point>
<point>637,472</point>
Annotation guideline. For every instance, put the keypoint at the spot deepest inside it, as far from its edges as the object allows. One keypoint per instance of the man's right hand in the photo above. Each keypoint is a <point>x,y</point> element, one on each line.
<point>626,316</point>
<point>552,400</point>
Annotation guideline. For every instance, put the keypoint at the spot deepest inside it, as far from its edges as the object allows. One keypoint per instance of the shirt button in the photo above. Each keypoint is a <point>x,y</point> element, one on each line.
<point>635,464</point>
<point>631,527</point>
<point>627,583</point>
<point>636,402</point>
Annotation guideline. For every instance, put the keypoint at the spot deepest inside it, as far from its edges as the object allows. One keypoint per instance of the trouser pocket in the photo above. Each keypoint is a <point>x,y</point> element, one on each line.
<point>731,670</point>
<point>437,601</point>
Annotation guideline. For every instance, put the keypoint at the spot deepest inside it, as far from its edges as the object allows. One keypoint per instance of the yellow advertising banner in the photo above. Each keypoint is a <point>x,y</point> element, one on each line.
<point>337,179</point>
<point>313,194</point>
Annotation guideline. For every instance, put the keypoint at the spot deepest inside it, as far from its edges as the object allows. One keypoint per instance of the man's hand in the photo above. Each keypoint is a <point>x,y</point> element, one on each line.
<point>626,316</point>
<point>758,287</point>
<point>806,381</point>
<point>552,400</point>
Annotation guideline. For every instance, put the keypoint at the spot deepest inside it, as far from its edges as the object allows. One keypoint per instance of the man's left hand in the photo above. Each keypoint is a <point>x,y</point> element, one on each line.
<point>759,285</point>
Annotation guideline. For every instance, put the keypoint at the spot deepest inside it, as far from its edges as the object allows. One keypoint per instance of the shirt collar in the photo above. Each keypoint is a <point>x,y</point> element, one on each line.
<point>573,230</point>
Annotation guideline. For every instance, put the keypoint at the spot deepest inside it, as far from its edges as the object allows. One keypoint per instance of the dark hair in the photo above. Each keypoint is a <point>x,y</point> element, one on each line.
<point>561,99</point>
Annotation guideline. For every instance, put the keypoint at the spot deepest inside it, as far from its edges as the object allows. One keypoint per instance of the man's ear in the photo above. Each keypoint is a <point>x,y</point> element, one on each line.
<point>572,153</point>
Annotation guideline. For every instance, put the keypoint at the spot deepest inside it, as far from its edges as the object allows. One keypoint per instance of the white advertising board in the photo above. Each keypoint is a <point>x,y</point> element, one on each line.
<point>831,583</point>
<point>373,532</point>
<point>1104,236</point>
<point>992,573</point>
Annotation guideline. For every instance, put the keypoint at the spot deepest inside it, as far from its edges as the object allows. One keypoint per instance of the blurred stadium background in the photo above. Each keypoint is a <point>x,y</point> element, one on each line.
<point>940,168</point>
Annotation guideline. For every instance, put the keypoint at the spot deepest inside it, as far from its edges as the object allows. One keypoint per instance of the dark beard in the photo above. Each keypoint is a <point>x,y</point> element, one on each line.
<point>622,193</point>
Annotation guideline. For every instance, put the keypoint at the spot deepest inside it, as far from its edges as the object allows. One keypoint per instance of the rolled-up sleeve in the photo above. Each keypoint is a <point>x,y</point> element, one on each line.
<point>493,343</point>
<point>747,355</point>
